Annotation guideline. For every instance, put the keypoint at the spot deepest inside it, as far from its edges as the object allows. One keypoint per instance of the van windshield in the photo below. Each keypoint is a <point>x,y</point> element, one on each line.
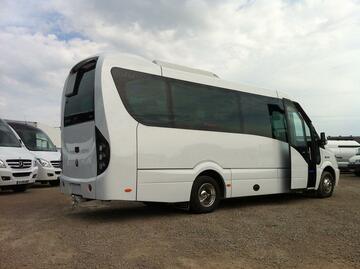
<point>79,93</point>
<point>33,138</point>
<point>7,137</point>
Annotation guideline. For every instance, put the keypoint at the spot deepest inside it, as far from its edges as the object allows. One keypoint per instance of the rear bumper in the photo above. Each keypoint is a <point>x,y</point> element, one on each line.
<point>81,187</point>
<point>11,177</point>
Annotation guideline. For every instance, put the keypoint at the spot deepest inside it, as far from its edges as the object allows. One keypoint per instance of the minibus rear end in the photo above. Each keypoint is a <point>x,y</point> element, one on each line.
<point>96,165</point>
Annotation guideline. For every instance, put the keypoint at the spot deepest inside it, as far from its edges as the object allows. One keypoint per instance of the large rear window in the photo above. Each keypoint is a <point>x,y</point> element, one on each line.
<point>79,93</point>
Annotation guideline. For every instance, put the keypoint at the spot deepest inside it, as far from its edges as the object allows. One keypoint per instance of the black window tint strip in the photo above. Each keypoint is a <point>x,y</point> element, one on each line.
<point>167,102</point>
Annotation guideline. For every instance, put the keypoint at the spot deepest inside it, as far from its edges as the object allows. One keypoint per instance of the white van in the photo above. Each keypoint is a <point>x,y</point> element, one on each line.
<point>354,163</point>
<point>138,130</point>
<point>343,150</point>
<point>46,153</point>
<point>18,168</point>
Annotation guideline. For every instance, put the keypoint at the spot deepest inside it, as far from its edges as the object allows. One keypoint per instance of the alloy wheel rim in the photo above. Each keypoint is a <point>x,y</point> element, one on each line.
<point>207,195</point>
<point>327,185</point>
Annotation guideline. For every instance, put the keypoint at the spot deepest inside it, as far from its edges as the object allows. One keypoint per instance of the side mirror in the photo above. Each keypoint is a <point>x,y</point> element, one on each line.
<point>323,141</point>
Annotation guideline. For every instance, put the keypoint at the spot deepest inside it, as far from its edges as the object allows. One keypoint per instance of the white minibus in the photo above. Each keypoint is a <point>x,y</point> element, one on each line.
<point>18,169</point>
<point>140,130</point>
<point>47,155</point>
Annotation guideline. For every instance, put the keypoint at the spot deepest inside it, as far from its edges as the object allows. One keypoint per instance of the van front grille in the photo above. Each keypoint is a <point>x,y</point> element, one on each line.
<point>21,174</point>
<point>19,164</point>
<point>56,164</point>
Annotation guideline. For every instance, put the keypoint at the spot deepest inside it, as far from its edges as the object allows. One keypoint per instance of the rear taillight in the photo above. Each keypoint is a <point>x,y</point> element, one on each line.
<point>102,152</point>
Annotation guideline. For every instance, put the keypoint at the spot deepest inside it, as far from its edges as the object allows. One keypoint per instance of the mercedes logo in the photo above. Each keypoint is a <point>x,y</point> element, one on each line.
<point>21,164</point>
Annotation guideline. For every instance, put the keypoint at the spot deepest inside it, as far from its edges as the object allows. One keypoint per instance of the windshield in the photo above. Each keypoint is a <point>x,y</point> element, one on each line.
<point>33,138</point>
<point>7,137</point>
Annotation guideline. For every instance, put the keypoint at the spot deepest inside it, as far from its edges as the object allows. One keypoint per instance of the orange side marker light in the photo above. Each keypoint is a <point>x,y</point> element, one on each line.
<point>128,190</point>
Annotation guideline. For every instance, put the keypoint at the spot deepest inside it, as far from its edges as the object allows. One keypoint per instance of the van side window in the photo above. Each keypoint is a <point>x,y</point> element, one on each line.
<point>278,121</point>
<point>255,113</point>
<point>147,99</point>
<point>145,96</point>
<point>203,107</point>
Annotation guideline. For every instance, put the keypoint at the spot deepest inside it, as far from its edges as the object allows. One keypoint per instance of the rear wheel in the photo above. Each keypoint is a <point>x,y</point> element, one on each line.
<point>357,173</point>
<point>205,195</point>
<point>20,188</point>
<point>326,186</point>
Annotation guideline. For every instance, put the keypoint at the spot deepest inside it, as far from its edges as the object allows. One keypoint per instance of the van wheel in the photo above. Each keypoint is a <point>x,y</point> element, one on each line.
<point>54,183</point>
<point>357,173</point>
<point>20,188</point>
<point>326,186</point>
<point>205,195</point>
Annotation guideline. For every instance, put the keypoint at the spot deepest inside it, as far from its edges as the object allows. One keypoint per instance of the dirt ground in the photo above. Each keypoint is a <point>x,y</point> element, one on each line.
<point>39,229</point>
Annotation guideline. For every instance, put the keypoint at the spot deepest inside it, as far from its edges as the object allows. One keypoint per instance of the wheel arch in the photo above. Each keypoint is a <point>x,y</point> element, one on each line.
<point>331,171</point>
<point>218,178</point>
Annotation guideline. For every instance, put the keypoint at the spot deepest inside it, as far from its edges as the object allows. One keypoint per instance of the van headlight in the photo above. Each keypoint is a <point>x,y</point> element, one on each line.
<point>2,164</point>
<point>44,163</point>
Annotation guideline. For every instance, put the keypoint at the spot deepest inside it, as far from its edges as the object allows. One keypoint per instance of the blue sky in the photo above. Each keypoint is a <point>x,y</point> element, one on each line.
<point>308,49</point>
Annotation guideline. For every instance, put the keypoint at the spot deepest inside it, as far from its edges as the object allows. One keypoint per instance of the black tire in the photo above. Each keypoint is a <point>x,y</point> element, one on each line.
<point>54,183</point>
<point>20,188</point>
<point>357,173</point>
<point>326,186</point>
<point>211,195</point>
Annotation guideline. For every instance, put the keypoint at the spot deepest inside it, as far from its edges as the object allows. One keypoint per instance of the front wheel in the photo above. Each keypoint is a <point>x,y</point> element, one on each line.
<point>326,186</point>
<point>205,195</point>
<point>357,173</point>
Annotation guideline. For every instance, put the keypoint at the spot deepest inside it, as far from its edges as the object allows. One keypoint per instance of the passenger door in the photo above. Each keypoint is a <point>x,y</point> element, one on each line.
<point>303,153</point>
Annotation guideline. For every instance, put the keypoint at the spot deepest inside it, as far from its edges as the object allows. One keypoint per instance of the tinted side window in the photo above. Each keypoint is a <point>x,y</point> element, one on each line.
<point>203,107</point>
<point>144,95</point>
<point>255,112</point>
<point>278,120</point>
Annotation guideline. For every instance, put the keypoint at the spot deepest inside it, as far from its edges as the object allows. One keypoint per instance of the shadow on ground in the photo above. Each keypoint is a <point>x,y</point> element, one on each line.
<point>121,210</point>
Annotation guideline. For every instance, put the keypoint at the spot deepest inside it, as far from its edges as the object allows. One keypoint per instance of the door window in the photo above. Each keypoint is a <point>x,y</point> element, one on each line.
<point>297,134</point>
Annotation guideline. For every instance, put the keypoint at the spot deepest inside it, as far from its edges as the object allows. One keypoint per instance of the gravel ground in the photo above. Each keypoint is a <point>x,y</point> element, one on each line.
<point>39,229</point>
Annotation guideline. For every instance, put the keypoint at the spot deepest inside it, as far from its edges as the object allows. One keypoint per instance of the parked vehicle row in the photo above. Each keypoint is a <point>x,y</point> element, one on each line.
<point>346,153</point>
<point>26,155</point>
<point>47,155</point>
